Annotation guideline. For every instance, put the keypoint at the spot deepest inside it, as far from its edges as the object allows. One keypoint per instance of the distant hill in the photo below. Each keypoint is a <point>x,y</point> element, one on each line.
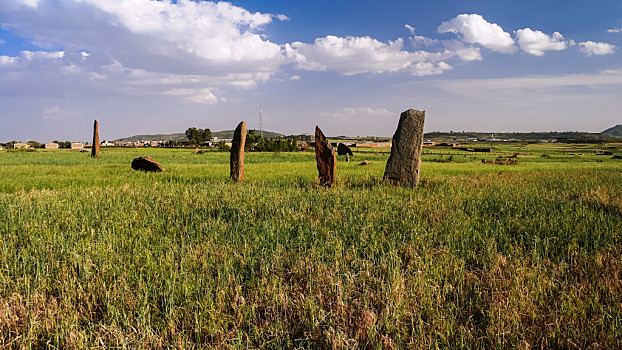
<point>615,131</point>
<point>224,134</point>
<point>228,134</point>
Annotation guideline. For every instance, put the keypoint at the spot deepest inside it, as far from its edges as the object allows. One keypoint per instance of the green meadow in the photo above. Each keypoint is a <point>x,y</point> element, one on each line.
<point>96,255</point>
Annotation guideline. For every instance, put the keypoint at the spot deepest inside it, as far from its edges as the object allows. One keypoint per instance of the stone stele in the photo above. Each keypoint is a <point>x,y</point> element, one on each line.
<point>325,157</point>
<point>95,149</point>
<point>236,157</point>
<point>146,164</point>
<point>405,160</point>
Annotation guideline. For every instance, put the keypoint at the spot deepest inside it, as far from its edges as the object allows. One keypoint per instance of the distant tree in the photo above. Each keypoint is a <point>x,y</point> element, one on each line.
<point>198,136</point>
<point>252,139</point>
<point>206,135</point>
<point>222,146</point>
<point>35,144</point>
<point>193,135</point>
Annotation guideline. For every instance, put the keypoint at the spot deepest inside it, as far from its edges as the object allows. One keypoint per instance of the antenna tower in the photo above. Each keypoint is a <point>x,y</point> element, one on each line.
<point>260,122</point>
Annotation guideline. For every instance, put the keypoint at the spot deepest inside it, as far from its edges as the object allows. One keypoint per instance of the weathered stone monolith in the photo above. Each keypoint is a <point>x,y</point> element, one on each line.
<point>236,157</point>
<point>146,164</point>
<point>405,160</point>
<point>95,149</point>
<point>325,157</point>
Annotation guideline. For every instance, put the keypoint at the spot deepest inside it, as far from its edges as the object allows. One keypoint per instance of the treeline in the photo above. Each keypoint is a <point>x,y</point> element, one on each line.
<point>257,143</point>
<point>522,136</point>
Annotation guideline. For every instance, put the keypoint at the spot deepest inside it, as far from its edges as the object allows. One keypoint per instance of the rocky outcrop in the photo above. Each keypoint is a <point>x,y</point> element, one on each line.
<point>405,160</point>
<point>236,157</point>
<point>146,164</point>
<point>325,157</point>
<point>95,149</point>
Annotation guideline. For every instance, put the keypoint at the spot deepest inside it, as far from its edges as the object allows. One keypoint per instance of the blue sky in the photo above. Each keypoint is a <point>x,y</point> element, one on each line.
<point>143,66</point>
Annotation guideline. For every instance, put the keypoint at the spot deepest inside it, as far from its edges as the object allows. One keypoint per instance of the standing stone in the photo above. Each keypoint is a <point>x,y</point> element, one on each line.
<point>236,157</point>
<point>325,157</point>
<point>95,149</point>
<point>405,160</point>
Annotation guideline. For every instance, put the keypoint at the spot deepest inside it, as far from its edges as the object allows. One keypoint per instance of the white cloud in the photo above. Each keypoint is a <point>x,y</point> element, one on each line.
<point>351,55</point>
<point>535,42</point>
<point>282,17</point>
<point>593,48</point>
<point>37,55</point>
<point>357,55</point>
<point>429,68</point>
<point>614,30</point>
<point>410,28</point>
<point>2,42</point>
<point>295,77</point>
<point>57,113</point>
<point>474,29</point>
<point>466,53</point>
<point>7,60</point>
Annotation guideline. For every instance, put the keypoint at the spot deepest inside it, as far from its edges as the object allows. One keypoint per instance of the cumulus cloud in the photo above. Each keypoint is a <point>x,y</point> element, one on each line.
<point>474,29</point>
<point>351,55</point>
<point>357,55</point>
<point>535,42</point>
<point>596,48</point>
<point>410,28</point>
<point>614,30</point>
<point>466,53</point>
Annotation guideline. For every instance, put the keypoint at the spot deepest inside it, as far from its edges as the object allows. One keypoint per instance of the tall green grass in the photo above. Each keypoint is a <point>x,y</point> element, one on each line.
<point>94,254</point>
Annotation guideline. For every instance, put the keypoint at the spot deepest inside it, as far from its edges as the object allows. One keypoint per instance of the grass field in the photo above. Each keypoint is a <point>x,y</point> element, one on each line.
<point>94,254</point>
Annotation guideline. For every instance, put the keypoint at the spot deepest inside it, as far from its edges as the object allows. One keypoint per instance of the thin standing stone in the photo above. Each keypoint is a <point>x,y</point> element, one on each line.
<point>325,157</point>
<point>405,160</point>
<point>95,149</point>
<point>236,157</point>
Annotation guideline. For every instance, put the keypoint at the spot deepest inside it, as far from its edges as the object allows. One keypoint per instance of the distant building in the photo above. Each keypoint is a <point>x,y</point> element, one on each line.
<point>428,143</point>
<point>51,145</point>
<point>77,145</point>
<point>18,145</point>
<point>373,144</point>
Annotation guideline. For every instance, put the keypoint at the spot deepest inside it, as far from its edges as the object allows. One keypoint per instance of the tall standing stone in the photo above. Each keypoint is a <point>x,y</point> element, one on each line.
<point>325,157</point>
<point>405,160</point>
<point>95,149</point>
<point>236,157</point>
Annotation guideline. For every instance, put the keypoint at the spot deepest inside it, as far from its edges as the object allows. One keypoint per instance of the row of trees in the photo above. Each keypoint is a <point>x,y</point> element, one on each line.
<point>257,143</point>
<point>198,136</point>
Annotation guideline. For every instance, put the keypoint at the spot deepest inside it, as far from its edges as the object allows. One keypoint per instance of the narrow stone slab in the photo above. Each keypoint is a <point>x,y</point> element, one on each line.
<point>405,160</point>
<point>236,157</point>
<point>146,164</point>
<point>95,149</point>
<point>325,157</point>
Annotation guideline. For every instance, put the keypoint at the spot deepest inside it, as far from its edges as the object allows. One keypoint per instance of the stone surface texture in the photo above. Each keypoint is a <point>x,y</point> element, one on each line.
<point>236,157</point>
<point>95,149</point>
<point>405,160</point>
<point>325,157</point>
<point>146,164</point>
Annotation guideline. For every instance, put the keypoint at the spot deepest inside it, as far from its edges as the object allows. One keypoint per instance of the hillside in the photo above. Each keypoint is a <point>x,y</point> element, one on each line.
<point>223,134</point>
<point>615,131</point>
